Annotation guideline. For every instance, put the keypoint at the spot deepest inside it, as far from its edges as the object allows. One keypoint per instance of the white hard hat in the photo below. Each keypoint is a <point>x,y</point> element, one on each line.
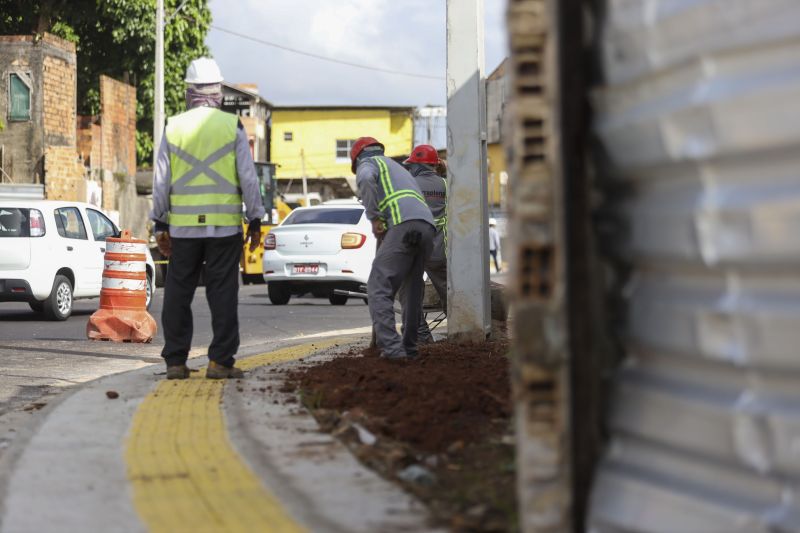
<point>202,71</point>
<point>492,222</point>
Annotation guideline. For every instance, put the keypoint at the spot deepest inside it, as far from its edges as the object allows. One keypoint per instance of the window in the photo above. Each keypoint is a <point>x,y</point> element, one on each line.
<point>325,216</point>
<point>343,149</point>
<point>19,98</point>
<point>19,222</point>
<point>70,224</point>
<point>102,228</point>
<point>287,136</point>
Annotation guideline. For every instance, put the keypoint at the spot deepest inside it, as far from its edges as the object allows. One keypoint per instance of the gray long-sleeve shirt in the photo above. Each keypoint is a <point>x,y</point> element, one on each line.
<point>371,194</point>
<point>434,190</point>
<point>248,182</point>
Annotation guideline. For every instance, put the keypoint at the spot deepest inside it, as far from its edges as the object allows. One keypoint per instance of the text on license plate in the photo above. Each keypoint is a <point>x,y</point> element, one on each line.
<point>306,269</point>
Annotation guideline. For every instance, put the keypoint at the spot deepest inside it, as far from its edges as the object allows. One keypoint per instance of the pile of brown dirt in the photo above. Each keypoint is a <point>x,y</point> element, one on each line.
<point>447,412</point>
<point>451,393</point>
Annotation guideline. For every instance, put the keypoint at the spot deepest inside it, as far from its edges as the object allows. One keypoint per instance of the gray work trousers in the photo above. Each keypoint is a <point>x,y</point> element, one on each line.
<point>436,269</point>
<point>397,264</point>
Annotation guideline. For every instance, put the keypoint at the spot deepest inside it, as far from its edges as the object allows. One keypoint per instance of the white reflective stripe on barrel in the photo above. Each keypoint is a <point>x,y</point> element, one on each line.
<point>126,266</point>
<point>127,284</point>
<point>126,247</point>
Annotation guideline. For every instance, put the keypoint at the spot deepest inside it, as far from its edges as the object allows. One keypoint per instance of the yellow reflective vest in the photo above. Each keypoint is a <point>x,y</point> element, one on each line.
<point>204,188</point>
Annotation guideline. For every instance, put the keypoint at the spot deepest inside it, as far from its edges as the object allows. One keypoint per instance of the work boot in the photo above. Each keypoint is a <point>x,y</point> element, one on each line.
<point>218,371</point>
<point>178,372</point>
<point>395,357</point>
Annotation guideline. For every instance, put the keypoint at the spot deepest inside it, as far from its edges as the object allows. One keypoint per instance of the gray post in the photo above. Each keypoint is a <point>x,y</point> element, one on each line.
<point>158,99</point>
<point>467,211</point>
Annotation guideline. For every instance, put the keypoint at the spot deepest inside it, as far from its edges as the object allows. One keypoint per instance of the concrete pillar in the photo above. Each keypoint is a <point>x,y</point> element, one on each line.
<point>468,315</point>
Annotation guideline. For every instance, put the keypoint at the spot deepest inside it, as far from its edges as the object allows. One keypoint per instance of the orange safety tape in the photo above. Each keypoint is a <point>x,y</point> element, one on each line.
<point>119,274</point>
<point>119,256</point>
<point>122,299</point>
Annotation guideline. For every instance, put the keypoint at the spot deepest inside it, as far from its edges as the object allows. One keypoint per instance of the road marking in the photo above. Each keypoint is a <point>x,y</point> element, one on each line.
<point>184,472</point>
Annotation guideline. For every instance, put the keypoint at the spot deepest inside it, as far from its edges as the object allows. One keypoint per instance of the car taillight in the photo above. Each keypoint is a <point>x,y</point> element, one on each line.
<point>353,240</point>
<point>36,223</point>
<point>269,242</point>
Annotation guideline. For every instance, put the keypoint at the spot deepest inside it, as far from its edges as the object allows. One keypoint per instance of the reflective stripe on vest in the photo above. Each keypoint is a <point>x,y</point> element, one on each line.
<point>441,222</point>
<point>392,197</point>
<point>205,186</point>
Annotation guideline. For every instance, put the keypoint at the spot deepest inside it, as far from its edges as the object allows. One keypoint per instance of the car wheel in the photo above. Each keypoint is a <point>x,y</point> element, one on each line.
<point>37,306</point>
<point>58,306</point>
<point>337,299</point>
<point>149,288</point>
<point>279,292</point>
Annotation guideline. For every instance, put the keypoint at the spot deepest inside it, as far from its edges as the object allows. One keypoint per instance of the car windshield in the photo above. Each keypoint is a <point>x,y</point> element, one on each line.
<point>14,222</point>
<point>325,216</point>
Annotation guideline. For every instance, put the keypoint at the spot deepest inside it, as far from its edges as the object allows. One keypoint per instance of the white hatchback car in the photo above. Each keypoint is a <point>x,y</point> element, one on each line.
<point>319,249</point>
<point>51,253</point>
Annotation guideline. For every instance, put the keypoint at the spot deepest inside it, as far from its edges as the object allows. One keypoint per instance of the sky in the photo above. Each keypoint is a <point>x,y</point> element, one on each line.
<point>399,35</point>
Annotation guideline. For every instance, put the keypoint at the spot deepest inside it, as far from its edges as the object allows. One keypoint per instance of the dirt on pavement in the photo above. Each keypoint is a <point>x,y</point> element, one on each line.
<point>439,425</point>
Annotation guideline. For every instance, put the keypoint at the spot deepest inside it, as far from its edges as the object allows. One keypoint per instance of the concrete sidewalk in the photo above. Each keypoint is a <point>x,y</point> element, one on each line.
<point>194,455</point>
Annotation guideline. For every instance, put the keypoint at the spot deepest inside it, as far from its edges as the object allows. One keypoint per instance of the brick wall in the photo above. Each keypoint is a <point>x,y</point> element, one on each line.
<point>118,121</point>
<point>59,84</point>
<point>65,174</point>
<point>90,141</point>
<point>84,138</point>
<point>24,140</point>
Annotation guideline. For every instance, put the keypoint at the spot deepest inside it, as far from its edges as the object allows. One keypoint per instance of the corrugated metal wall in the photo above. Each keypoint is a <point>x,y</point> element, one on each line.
<point>700,120</point>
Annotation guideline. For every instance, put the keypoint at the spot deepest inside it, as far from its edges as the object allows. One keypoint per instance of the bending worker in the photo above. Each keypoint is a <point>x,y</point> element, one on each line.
<point>402,220</point>
<point>422,164</point>
<point>203,172</point>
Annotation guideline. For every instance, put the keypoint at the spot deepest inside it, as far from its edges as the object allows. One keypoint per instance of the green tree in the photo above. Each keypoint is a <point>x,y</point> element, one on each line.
<point>117,38</point>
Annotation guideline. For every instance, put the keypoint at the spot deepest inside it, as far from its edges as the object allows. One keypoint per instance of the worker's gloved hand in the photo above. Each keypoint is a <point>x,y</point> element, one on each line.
<point>378,228</point>
<point>254,234</point>
<point>164,243</point>
<point>412,239</point>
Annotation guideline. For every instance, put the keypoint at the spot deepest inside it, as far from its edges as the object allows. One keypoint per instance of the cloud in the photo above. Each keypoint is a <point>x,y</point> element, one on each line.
<point>406,35</point>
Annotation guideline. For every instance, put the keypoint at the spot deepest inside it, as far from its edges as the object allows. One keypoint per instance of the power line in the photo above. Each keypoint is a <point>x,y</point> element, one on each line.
<point>326,58</point>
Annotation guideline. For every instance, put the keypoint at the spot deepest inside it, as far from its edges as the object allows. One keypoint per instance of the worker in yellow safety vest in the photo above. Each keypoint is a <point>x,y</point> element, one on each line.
<point>204,171</point>
<point>423,164</point>
<point>403,221</point>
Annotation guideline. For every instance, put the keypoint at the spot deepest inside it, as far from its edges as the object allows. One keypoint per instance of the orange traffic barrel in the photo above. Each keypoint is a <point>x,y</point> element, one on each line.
<point>123,315</point>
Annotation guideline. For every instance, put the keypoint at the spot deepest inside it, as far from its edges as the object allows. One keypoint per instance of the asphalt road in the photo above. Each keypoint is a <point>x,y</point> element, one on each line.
<point>39,358</point>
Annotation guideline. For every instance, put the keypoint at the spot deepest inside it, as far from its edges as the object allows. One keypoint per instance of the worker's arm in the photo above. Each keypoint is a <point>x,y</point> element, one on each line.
<point>162,176</point>
<point>248,181</point>
<point>251,191</point>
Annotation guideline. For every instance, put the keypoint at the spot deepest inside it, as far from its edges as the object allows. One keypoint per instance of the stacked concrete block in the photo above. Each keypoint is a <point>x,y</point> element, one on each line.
<point>537,290</point>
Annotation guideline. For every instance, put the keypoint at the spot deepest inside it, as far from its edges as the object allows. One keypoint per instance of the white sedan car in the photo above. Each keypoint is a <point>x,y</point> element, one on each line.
<point>319,249</point>
<point>51,253</point>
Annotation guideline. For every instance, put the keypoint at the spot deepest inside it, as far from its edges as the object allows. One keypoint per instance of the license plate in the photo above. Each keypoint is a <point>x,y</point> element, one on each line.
<point>306,269</point>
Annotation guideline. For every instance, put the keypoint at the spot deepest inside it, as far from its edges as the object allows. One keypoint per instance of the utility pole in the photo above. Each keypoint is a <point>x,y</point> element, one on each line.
<point>305,181</point>
<point>468,302</point>
<point>158,114</point>
<point>430,132</point>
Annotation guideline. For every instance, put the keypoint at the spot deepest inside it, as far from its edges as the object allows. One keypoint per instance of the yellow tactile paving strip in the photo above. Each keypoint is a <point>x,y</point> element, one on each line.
<point>184,472</point>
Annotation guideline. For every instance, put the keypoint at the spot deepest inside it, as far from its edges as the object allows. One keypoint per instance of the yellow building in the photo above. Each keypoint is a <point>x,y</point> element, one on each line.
<point>316,141</point>
<point>497,91</point>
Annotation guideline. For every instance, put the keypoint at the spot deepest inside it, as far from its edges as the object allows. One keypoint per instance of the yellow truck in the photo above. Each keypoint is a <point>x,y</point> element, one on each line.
<point>277,210</point>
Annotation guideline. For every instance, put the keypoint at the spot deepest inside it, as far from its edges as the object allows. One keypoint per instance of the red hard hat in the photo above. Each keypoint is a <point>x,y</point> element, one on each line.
<point>358,146</point>
<point>424,153</point>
